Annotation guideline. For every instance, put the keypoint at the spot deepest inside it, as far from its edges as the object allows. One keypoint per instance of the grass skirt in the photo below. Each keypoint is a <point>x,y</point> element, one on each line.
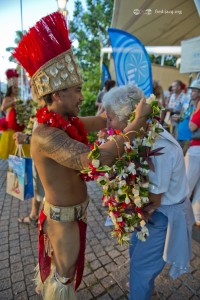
<point>52,288</point>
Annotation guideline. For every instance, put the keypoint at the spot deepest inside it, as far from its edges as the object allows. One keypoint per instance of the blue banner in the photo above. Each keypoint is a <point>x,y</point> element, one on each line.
<point>105,74</point>
<point>132,63</point>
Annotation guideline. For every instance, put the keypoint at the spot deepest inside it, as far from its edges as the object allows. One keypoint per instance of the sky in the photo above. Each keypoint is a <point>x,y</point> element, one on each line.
<point>10,21</point>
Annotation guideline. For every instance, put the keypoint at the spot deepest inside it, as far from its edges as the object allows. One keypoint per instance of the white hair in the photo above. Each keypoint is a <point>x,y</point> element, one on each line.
<point>122,100</point>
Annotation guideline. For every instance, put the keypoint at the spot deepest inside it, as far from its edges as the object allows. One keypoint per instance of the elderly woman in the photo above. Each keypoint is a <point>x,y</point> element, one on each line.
<point>170,214</point>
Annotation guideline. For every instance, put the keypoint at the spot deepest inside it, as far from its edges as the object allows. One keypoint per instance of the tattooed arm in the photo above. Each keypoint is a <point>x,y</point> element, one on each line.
<point>57,145</point>
<point>94,123</point>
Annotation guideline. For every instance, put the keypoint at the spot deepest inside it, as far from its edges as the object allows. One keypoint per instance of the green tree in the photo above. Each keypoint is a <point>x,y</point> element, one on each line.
<point>168,61</point>
<point>89,28</point>
<point>18,36</point>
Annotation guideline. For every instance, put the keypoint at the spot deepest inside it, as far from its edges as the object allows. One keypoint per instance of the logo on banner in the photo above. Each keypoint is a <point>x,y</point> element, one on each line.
<point>132,63</point>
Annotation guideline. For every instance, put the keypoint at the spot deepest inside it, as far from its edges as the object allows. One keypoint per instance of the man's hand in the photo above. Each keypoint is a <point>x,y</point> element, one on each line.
<point>19,137</point>
<point>142,109</point>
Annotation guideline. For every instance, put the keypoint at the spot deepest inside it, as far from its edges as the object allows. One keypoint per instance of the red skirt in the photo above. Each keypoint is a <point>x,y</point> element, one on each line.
<point>12,122</point>
<point>45,259</point>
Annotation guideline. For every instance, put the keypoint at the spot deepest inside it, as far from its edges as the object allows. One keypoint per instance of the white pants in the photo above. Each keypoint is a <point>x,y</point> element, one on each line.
<point>192,163</point>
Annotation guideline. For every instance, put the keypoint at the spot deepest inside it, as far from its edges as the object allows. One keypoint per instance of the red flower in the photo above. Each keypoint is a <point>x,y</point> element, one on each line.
<point>139,210</point>
<point>73,126</point>
<point>116,131</point>
<point>123,205</point>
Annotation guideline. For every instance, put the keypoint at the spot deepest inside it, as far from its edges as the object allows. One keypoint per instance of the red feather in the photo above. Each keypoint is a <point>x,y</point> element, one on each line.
<point>46,40</point>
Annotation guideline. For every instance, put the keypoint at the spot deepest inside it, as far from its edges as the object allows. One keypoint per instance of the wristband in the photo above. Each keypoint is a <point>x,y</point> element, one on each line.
<point>27,140</point>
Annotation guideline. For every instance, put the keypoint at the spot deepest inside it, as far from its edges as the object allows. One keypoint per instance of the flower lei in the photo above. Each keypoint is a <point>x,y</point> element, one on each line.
<point>187,114</point>
<point>24,111</point>
<point>126,184</point>
<point>29,127</point>
<point>72,126</point>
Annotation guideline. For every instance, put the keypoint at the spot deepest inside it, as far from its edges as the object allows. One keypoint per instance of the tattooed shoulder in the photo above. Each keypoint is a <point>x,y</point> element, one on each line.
<point>57,145</point>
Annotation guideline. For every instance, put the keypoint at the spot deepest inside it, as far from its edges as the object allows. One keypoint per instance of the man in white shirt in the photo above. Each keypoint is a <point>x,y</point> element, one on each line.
<point>178,103</point>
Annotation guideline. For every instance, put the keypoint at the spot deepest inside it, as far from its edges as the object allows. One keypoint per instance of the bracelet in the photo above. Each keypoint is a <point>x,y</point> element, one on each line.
<point>131,131</point>
<point>27,140</point>
<point>118,148</point>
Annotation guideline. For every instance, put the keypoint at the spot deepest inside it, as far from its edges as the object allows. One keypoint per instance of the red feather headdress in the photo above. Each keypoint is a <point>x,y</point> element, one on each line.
<point>12,76</point>
<point>45,53</point>
<point>10,73</point>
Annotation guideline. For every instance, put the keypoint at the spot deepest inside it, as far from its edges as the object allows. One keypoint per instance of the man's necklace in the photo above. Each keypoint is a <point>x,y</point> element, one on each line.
<point>72,126</point>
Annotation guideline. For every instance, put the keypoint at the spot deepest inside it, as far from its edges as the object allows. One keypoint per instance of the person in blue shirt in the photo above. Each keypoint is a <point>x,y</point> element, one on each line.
<point>184,133</point>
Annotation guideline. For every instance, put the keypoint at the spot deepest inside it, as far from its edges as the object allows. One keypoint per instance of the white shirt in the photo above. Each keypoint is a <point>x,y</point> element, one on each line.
<point>169,178</point>
<point>178,103</point>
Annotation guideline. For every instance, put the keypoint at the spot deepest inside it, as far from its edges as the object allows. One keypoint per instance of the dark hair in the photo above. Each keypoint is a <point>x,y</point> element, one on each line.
<point>182,85</point>
<point>47,98</point>
<point>106,82</point>
<point>9,91</point>
<point>179,82</point>
<point>110,85</point>
<point>170,88</point>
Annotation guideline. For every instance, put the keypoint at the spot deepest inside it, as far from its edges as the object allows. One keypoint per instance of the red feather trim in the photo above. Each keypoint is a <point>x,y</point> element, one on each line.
<point>46,40</point>
<point>3,124</point>
<point>10,73</point>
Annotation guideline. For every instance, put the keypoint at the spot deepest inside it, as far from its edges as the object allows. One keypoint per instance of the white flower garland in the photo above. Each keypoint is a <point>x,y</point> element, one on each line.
<point>125,185</point>
<point>24,111</point>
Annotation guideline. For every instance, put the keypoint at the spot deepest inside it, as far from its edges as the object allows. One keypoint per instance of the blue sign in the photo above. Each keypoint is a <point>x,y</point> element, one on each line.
<point>132,63</point>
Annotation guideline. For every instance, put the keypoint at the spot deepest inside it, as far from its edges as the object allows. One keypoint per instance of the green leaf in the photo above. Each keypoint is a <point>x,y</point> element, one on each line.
<point>94,154</point>
<point>158,130</point>
<point>154,103</point>
<point>104,169</point>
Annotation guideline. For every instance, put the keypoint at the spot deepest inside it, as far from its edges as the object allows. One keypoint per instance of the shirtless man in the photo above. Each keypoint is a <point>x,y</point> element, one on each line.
<point>59,158</point>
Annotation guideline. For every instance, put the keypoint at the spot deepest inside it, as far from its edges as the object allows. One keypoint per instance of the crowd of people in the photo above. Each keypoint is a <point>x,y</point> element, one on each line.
<point>181,118</point>
<point>60,150</point>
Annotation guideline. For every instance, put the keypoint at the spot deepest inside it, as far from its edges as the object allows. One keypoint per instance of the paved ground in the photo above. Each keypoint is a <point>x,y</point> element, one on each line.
<point>106,270</point>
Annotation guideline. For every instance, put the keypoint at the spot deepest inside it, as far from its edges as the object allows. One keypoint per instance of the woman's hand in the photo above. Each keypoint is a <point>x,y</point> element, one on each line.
<point>20,138</point>
<point>7,102</point>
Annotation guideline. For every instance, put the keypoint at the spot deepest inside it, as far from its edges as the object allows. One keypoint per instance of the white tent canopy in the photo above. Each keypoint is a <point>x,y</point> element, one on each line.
<point>158,22</point>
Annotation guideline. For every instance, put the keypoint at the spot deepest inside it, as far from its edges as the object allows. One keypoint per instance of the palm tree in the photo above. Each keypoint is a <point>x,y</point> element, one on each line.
<point>24,81</point>
<point>18,36</point>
